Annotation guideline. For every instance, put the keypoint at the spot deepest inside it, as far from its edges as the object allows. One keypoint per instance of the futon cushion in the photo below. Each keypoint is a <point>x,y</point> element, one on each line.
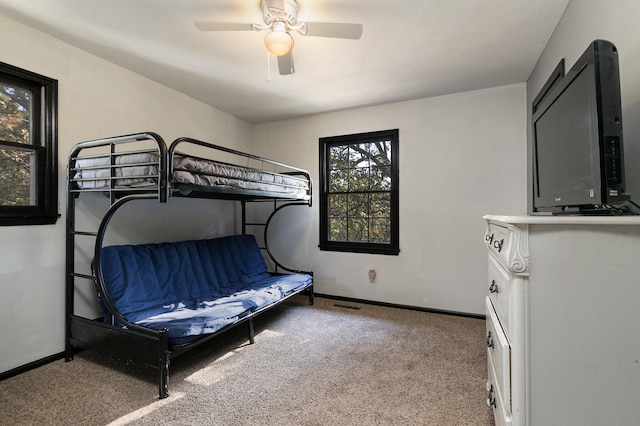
<point>149,279</point>
<point>193,287</point>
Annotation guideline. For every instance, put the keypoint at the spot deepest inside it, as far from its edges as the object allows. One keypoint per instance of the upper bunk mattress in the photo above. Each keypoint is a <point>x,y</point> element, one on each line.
<point>204,173</point>
<point>129,170</point>
<point>141,169</point>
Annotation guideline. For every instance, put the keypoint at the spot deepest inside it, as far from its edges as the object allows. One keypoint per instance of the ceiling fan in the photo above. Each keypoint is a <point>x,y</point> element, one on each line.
<point>280,19</point>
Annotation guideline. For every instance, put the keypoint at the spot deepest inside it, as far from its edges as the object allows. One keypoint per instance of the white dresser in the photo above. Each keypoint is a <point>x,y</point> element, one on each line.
<point>563,320</point>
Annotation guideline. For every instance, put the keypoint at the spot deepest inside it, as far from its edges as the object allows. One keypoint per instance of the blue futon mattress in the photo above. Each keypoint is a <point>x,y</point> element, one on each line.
<point>193,287</point>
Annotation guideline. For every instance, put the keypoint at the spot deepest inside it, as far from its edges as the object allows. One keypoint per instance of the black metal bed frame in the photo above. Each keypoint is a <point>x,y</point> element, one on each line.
<point>136,344</point>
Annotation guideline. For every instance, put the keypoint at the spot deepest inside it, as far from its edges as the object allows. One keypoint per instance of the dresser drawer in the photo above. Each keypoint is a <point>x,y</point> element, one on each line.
<point>509,245</point>
<point>498,357</point>
<point>501,415</point>
<point>497,240</point>
<point>499,289</point>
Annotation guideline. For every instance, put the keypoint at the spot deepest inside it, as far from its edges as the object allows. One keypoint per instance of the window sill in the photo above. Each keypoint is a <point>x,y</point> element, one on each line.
<point>29,220</point>
<point>365,248</point>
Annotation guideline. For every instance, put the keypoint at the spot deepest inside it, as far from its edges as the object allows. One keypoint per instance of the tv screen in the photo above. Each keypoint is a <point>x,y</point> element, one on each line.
<point>577,138</point>
<point>564,132</point>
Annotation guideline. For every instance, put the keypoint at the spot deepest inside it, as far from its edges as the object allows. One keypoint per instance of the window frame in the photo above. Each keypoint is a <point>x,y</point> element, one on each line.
<point>44,144</point>
<point>325,143</point>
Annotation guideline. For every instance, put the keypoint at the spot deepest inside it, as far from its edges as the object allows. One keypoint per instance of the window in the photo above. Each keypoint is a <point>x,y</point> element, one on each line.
<point>28,147</point>
<point>359,199</point>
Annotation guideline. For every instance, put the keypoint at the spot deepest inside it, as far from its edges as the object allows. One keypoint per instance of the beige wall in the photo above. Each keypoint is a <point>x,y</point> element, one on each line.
<point>96,99</point>
<point>461,156</point>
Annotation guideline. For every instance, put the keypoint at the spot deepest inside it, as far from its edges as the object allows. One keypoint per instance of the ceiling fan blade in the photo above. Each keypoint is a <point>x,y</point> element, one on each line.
<point>222,26</point>
<point>285,64</point>
<point>333,29</point>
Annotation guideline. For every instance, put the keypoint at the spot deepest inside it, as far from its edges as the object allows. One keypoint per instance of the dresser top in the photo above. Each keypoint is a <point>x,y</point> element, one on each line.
<point>565,220</point>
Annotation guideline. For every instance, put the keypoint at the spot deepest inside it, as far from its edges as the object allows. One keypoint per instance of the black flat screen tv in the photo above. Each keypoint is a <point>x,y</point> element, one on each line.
<point>578,161</point>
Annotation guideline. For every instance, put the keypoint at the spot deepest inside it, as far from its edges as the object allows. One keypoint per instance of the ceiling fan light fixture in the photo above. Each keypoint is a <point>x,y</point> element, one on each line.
<point>278,42</point>
<point>280,21</point>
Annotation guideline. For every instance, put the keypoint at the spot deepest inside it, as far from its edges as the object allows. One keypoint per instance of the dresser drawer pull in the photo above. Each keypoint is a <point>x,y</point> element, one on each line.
<point>496,244</point>
<point>493,288</point>
<point>489,340</point>
<point>491,400</point>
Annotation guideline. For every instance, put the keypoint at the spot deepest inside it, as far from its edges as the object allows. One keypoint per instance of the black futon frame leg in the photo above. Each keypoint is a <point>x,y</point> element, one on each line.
<point>251,334</point>
<point>164,379</point>
<point>163,363</point>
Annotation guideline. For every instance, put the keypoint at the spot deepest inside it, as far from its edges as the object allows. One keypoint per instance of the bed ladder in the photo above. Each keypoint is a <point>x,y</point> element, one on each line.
<point>71,276</point>
<point>104,147</point>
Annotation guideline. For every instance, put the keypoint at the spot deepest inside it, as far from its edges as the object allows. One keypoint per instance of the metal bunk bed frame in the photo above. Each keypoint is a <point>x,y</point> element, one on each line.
<point>136,344</point>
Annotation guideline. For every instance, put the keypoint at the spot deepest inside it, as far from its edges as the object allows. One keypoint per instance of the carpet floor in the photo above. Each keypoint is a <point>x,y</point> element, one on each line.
<point>333,363</point>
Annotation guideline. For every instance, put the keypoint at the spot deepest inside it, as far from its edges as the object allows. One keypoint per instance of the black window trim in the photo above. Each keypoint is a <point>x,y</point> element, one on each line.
<point>393,248</point>
<point>45,211</point>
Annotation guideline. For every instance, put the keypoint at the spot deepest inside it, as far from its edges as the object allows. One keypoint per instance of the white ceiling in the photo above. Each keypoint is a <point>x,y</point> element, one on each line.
<point>409,49</point>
